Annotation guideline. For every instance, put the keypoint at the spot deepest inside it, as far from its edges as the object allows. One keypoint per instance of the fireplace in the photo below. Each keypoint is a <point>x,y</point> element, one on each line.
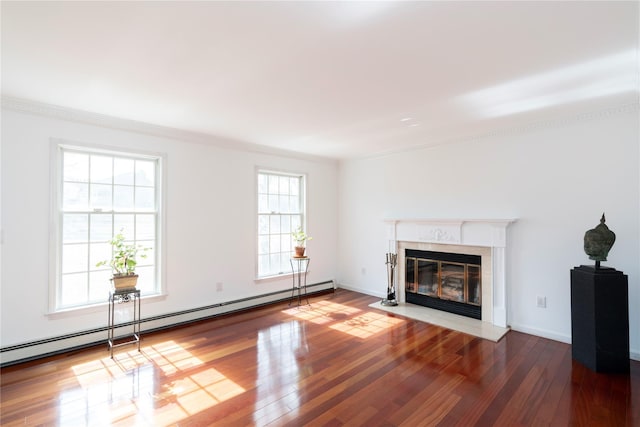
<point>485,239</point>
<point>445,281</point>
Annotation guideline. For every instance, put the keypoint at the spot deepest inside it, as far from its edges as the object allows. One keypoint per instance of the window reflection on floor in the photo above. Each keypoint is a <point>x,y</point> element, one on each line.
<point>322,312</point>
<point>281,350</point>
<point>165,384</point>
<point>127,389</point>
<point>366,324</point>
<point>343,318</point>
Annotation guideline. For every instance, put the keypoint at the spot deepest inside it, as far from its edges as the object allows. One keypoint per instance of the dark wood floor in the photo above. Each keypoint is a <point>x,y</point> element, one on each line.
<point>336,362</point>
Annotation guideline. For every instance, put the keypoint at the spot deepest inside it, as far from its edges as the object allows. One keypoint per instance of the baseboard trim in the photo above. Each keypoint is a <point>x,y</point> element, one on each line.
<point>634,354</point>
<point>542,333</point>
<point>38,349</point>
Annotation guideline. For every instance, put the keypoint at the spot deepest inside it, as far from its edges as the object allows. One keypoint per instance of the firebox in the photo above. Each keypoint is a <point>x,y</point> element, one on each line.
<point>444,281</point>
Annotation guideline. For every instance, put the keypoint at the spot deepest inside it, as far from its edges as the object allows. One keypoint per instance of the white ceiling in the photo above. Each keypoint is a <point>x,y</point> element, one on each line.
<point>335,79</point>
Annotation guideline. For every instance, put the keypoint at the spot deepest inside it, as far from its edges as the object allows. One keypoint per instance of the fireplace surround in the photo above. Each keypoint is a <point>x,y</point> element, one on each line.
<point>486,238</point>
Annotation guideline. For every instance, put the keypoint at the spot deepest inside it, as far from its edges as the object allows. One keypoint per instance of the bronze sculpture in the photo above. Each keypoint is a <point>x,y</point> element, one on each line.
<point>598,241</point>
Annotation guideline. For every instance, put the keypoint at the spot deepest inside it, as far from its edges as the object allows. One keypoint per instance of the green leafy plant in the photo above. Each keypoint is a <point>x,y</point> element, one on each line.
<point>299,236</point>
<point>123,261</point>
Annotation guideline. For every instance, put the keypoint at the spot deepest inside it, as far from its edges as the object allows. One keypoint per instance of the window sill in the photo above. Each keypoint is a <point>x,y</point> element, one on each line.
<point>96,308</point>
<point>276,277</point>
<point>272,278</point>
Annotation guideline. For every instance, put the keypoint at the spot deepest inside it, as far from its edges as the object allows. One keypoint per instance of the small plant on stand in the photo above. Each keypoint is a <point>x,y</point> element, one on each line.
<point>300,237</point>
<point>123,262</point>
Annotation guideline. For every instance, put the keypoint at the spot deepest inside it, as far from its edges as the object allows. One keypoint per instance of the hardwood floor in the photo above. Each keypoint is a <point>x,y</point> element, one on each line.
<point>336,362</point>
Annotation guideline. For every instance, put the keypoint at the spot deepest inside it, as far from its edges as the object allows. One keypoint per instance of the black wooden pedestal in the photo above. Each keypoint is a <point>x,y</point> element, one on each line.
<point>600,319</point>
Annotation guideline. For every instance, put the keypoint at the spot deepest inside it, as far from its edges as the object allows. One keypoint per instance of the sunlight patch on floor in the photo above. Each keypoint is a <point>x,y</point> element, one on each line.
<point>344,318</point>
<point>123,389</point>
<point>367,324</point>
<point>322,312</point>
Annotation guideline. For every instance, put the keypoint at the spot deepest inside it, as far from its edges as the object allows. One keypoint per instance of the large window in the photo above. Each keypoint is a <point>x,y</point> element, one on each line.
<point>101,194</point>
<point>280,211</point>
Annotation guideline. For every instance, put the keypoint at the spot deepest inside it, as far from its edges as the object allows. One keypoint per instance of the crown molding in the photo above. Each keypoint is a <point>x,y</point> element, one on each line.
<point>111,122</point>
<point>518,130</point>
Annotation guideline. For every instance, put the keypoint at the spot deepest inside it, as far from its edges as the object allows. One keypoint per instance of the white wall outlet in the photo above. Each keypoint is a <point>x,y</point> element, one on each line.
<point>218,286</point>
<point>542,301</point>
<point>364,271</point>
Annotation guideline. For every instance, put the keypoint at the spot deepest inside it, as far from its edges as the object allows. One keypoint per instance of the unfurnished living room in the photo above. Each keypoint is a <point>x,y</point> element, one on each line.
<point>292,213</point>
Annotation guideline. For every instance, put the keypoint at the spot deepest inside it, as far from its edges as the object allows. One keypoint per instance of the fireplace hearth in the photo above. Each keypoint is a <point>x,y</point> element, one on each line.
<point>444,281</point>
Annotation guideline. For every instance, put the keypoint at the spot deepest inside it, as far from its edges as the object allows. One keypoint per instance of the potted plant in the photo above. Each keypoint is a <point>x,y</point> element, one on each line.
<point>123,262</point>
<point>300,237</point>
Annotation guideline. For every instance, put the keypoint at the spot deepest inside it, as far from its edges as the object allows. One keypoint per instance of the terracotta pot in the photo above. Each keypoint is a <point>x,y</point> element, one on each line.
<point>125,282</point>
<point>300,251</point>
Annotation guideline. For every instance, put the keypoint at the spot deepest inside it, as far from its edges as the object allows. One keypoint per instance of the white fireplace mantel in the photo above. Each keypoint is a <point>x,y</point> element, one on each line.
<point>480,233</point>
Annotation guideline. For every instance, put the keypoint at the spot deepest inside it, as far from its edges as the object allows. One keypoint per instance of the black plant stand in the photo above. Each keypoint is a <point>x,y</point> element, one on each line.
<point>120,296</point>
<point>600,319</point>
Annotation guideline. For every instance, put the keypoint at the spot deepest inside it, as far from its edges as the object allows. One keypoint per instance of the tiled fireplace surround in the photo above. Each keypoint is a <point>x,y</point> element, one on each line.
<point>484,237</point>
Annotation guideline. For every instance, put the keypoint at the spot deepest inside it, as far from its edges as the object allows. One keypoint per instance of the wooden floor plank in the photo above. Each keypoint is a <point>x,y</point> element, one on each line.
<point>336,362</point>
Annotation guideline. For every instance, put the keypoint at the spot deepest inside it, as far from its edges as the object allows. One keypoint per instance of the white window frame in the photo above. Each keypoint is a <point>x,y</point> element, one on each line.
<point>55,273</point>
<point>303,214</point>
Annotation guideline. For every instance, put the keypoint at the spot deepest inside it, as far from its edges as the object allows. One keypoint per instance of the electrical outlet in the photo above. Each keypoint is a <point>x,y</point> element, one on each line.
<point>364,271</point>
<point>542,301</point>
<point>218,286</point>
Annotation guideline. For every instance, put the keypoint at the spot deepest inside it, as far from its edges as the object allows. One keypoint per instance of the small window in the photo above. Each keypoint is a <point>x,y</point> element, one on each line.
<point>101,194</point>
<point>280,211</point>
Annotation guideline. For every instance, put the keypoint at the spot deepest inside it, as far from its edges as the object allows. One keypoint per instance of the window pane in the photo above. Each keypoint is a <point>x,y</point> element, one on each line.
<point>285,242</point>
<point>123,170</point>
<point>262,183</point>
<point>284,204</point>
<point>145,173</point>
<point>123,223</point>
<point>274,184</point>
<point>274,224</point>
<point>284,185</point>
<point>75,258</point>
<point>123,197</point>
<point>274,243</point>
<point>100,229</point>
<point>294,186</point>
<point>295,221</point>
<point>273,203</point>
<point>75,196</point>
<point>101,169</point>
<point>146,278</point>
<point>263,204</point>
<point>146,257</point>
<point>285,263</point>
<point>295,204</point>
<point>76,167</point>
<point>100,283</point>
<point>145,198</point>
<point>75,228</point>
<point>73,289</point>
<point>99,252</point>
<point>101,196</point>
<point>285,224</point>
<point>274,261</point>
<point>263,224</point>
<point>145,227</point>
<point>263,244</point>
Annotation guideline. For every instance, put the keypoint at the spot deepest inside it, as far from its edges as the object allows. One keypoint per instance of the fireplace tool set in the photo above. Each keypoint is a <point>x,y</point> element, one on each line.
<point>392,262</point>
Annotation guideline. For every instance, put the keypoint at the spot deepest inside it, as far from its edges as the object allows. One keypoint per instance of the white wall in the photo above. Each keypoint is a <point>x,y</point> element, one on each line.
<point>556,180</point>
<point>210,222</point>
